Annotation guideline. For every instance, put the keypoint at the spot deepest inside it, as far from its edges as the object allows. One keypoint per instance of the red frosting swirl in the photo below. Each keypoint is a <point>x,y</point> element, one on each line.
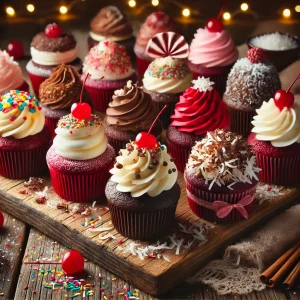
<point>199,112</point>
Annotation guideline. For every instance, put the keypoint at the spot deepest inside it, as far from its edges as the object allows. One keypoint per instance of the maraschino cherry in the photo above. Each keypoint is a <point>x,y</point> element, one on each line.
<point>53,31</point>
<point>146,140</point>
<point>283,98</point>
<point>73,262</point>
<point>81,110</point>
<point>15,49</point>
<point>214,24</point>
<point>1,219</point>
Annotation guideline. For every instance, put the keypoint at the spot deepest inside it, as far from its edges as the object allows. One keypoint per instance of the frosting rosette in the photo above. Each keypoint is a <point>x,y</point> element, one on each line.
<point>141,171</point>
<point>280,127</point>
<point>20,115</point>
<point>200,109</point>
<point>131,109</point>
<point>212,49</point>
<point>10,73</point>
<point>61,89</point>
<point>110,24</point>
<point>108,60</point>
<point>80,139</point>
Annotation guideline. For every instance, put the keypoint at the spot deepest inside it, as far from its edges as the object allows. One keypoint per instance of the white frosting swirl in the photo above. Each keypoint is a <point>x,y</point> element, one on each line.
<point>280,127</point>
<point>151,178</point>
<point>80,140</point>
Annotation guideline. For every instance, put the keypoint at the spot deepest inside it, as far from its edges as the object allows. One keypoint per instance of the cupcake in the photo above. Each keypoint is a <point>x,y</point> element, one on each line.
<point>251,80</point>
<point>48,50</point>
<point>275,139</point>
<point>212,54</point>
<point>80,158</point>
<point>58,93</point>
<point>130,112</point>
<point>24,140</point>
<point>155,23</point>
<point>111,24</point>
<point>142,193</point>
<point>221,177</point>
<point>199,110</point>
<point>110,68</point>
<point>168,75</point>
<point>11,77</point>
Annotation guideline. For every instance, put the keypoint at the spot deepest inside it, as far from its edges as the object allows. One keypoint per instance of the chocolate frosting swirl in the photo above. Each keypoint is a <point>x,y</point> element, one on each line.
<point>131,109</point>
<point>61,89</point>
<point>111,22</point>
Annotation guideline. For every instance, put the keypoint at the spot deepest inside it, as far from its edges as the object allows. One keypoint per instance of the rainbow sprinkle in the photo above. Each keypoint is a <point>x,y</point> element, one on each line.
<point>69,122</point>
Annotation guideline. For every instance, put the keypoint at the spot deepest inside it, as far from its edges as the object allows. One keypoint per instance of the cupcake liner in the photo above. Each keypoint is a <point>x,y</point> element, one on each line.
<point>24,87</point>
<point>100,98</point>
<point>143,225</point>
<point>240,121</point>
<point>142,65</point>
<point>210,196</point>
<point>278,170</point>
<point>36,81</point>
<point>23,164</point>
<point>51,124</point>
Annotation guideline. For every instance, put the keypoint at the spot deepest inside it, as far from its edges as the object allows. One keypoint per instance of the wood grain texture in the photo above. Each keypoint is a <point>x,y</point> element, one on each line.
<point>152,276</point>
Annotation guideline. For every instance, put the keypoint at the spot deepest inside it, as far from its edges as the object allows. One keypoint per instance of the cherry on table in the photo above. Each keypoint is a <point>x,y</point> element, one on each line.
<point>73,262</point>
<point>15,49</point>
<point>53,31</point>
<point>214,25</point>
<point>1,219</point>
<point>145,140</point>
<point>284,99</point>
<point>81,110</point>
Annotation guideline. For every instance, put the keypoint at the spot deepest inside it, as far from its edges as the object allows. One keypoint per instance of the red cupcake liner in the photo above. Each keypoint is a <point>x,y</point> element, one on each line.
<point>210,196</point>
<point>23,164</point>
<point>36,81</point>
<point>51,124</point>
<point>278,170</point>
<point>24,87</point>
<point>240,121</point>
<point>142,65</point>
<point>143,225</point>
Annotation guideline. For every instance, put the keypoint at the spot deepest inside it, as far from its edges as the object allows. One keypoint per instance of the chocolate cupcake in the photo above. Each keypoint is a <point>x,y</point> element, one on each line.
<point>249,83</point>
<point>143,193</point>
<point>48,50</point>
<point>130,111</point>
<point>111,24</point>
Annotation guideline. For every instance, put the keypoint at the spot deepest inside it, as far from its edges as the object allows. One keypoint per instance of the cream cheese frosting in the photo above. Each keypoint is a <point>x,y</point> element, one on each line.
<point>280,127</point>
<point>141,171</point>
<point>80,139</point>
<point>20,115</point>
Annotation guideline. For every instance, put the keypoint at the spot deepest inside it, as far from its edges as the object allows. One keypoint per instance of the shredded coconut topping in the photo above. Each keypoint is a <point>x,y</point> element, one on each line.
<point>202,84</point>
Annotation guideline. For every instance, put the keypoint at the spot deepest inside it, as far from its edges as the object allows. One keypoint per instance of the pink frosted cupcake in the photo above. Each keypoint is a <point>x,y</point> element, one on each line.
<point>212,54</point>
<point>11,77</point>
<point>110,68</point>
<point>155,23</point>
<point>48,50</point>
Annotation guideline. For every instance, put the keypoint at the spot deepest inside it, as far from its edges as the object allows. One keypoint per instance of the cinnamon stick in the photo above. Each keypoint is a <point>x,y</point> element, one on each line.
<point>284,269</point>
<point>292,278</point>
<point>273,269</point>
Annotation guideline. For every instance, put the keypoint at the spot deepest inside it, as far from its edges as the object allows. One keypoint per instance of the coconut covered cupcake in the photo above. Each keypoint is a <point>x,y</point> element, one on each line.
<point>221,177</point>
<point>168,75</point>
<point>251,80</point>
<point>48,50</point>
<point>111,24</point>
<point>130,112</point>
<point>199,110</point>
<point>24,139</point>
<point>155,23</point>
<point>110,68</point>
<point>11,77</point>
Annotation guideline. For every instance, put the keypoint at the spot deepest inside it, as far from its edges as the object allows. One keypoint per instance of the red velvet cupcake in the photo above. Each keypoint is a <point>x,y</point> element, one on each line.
<point>24,140</point>
<point>80,158</point>
<point>110,68</point>
<point>221,177</point>
<point>199,110</point>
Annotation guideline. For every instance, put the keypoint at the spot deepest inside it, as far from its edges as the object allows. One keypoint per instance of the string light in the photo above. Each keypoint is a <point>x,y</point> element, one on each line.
<point>63,9</point>
<point>30,7</point>
<point>155,2</point>
<point>226,16</point>
<point>132,3</point>
<point>186,12</point>
<point>297,8</point>
<point>286,13</point>
<point>10,11</point>
<point>244,6</point>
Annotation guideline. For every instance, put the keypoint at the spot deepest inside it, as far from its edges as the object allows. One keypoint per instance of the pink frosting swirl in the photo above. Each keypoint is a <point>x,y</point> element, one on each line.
<point>212,49</point>
<point>10,73</point>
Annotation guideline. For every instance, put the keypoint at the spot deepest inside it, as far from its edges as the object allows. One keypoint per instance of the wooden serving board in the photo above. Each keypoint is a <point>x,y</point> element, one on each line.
<point>154,276</point>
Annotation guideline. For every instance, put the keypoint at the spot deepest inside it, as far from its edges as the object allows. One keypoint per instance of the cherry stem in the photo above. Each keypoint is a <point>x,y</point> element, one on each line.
<point>81,93</point>
<point>221,11</point>
<point>159,114</point>
<point>298,77</point>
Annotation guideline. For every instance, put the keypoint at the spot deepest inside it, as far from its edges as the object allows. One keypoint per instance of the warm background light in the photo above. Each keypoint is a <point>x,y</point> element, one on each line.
<point>30,7</point>
<point>155,2</point>
<point>297,8</point>
<point>10,11</point>
<point>186,12</point>
<point>226,16</point>
<point>244,6</point>
<point>63,10</point>
<point>286,13</point>
<point>131,3</point>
